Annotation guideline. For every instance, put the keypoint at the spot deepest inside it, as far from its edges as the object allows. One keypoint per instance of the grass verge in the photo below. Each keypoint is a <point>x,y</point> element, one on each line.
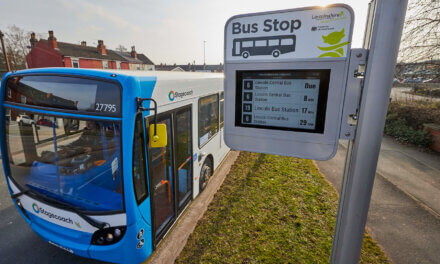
<point>270,209</point>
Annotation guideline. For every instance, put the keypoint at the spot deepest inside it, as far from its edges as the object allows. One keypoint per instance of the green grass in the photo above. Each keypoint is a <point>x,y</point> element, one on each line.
<point>270,209</point>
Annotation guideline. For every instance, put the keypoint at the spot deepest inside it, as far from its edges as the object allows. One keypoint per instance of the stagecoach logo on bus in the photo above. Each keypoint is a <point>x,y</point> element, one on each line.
<point>173,95</point>
<point>38,209</point>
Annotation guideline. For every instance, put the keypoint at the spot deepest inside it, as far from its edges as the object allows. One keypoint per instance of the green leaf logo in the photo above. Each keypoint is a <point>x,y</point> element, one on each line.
<point>333,39</point>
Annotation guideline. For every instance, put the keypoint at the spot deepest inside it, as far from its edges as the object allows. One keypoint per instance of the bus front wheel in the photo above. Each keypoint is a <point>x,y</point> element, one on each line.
<point>245,54</point>
<point>276,53</point>
<point>205,174</point>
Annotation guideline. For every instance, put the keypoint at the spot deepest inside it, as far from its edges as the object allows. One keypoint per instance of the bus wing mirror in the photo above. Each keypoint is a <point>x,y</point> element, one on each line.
<point>158,132</point>
<point>158,139</point>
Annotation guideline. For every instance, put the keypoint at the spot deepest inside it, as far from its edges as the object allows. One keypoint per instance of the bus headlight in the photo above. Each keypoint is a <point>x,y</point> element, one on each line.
<point>108,236</point>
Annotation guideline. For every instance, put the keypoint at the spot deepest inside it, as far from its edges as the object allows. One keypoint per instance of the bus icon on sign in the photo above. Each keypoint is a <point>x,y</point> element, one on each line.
<point>274,45</point>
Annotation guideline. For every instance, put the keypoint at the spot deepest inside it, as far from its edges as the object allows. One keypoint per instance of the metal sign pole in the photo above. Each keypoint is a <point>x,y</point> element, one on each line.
<point>382,40</point>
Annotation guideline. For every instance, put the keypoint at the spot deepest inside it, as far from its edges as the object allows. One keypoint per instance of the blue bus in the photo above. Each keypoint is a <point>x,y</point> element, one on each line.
<point>102,163</point>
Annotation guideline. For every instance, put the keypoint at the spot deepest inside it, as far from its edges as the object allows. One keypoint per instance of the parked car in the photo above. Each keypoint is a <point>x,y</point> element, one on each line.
<point>436,80</point>
<point>25,120</point>
<point>44,122</point>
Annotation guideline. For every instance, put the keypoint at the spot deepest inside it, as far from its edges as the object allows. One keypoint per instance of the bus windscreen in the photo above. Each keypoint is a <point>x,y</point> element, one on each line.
<point>67,93</point>
<point>76,161</point>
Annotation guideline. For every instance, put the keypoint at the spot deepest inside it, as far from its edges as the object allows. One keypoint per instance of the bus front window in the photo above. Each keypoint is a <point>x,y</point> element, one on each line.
<point>76,161</point>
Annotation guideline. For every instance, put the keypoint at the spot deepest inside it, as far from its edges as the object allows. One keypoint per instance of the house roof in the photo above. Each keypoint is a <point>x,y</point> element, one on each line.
<point>144,59</point>
<point>141,58</point>
<point>75,50</point>
<point>191,67</point>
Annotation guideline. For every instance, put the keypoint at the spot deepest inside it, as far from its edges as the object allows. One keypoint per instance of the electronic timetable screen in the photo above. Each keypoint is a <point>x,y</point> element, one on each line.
<point>293,100</point>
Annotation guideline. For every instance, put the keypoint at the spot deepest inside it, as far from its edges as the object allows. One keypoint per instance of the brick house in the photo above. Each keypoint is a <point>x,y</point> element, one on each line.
<point>52,53</point>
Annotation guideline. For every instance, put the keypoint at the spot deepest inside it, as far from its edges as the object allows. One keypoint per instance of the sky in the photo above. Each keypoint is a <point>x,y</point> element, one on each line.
<point>166,31</point>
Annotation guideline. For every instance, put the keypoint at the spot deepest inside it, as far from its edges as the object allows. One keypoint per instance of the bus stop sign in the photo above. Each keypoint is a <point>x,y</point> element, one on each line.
<point>286,74</point>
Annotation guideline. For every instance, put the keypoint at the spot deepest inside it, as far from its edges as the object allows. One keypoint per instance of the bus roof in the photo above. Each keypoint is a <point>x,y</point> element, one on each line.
<point>168,86</point>
<point>170,75</point>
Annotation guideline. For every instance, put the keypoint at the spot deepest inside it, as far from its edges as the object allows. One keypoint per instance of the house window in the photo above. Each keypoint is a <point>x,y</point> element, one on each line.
<point>138,67</point>
<point>23,99</point>
<point>105,64</point>
<point>75,63</point>
<point>118,65</point>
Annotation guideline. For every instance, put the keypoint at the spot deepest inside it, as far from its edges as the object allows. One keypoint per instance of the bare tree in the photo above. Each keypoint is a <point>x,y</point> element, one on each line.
<point>121,48</point>
<point>421,34</point>
<point>16,42</point>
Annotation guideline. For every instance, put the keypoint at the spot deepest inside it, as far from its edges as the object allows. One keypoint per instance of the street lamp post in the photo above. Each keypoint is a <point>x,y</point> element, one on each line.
<point>204,62</point>
<point>8,67</point>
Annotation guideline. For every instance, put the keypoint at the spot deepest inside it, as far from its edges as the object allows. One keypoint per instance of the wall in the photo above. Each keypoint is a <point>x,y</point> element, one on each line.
<point>67,62</point>
<point>89,63</point>
<point>143,67</point>
<point>44,56</point>
<point>125,66</point>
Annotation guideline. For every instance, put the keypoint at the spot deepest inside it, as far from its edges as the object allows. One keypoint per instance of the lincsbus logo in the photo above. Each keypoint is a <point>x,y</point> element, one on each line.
<point>171,96</point>
<point>36,208</point>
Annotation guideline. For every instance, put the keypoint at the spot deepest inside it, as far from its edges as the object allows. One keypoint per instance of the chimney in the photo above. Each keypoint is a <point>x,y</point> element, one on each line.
<point>52,40</point>
<point>83,43</point>
<point>101,47</point>
<point>33,40</point>
<point>133,52</point>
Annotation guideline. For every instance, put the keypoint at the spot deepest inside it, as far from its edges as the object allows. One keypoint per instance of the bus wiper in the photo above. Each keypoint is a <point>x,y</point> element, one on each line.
<point>91,221</point>
<point>15,195</point>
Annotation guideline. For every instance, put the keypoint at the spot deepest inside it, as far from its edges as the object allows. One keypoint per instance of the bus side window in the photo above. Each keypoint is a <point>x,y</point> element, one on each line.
<point>139,170</point>
<point>260,43</point>
<point>287,41</point>
<point>208,118</point>
<point>274,42</point>
<point>247,44</point>
<point>222,102</point>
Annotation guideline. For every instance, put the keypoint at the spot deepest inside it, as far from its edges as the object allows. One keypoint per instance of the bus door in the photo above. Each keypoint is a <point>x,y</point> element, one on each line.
<point>237,47</point>
<point>162,181</point>
<point>171,170</point>
<point>183,145</point>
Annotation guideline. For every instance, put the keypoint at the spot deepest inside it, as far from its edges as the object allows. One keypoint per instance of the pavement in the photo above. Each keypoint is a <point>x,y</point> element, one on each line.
<point>404,215</point>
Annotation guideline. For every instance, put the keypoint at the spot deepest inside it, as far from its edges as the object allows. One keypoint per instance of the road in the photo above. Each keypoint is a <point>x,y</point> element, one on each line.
<point>404,215</point>
<point>19,244</point>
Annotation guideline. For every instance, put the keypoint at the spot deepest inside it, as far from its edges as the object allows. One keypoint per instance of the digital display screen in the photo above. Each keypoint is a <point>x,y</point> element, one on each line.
<point>282,99</point>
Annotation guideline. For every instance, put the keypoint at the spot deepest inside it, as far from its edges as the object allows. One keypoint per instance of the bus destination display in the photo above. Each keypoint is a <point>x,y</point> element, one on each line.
<point>288,100</point>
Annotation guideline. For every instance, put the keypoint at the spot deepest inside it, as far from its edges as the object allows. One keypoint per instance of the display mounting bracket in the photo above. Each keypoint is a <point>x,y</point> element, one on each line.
<point>353,93</point>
